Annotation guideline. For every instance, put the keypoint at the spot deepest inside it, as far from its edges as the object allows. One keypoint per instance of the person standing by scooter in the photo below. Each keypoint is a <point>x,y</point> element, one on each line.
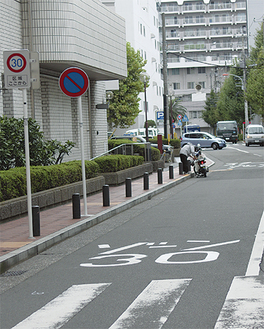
<point>186,151</point>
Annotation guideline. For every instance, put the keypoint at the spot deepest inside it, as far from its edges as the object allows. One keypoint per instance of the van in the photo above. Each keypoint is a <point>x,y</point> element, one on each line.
<point>254,134</point>
<point>152,132</point>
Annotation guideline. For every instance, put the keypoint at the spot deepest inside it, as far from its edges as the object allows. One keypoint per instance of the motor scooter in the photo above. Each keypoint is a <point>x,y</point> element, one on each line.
<point>199,165</point>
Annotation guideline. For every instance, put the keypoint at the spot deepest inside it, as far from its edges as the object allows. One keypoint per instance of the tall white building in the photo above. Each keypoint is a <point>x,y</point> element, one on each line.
<point>204,38</point>
<point>142,31</point>
<point>84,34</point>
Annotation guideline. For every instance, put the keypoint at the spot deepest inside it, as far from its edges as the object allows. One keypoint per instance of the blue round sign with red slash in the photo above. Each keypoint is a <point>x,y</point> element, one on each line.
<point>73,82</point>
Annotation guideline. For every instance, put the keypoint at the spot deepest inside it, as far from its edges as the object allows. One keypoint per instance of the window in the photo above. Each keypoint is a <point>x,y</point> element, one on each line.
<point>202,84</point>
<point>190,70</point>
<point>140,28</point>
<point>144,31</point>
<point>190,85</point>
<point>201,70</point>
<point>176,85</point>
<point>175,71</point>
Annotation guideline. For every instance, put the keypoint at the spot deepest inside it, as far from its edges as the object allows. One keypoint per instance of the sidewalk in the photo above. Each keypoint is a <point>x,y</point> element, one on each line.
<point>56,224</point>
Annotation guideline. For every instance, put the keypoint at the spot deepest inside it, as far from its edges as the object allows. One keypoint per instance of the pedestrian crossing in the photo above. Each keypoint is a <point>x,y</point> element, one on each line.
<point>243,307</point>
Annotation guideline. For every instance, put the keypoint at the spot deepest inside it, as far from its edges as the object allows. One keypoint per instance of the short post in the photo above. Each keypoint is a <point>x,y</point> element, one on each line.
<point>106,196</point>
<point>159,175</point>
<point>36,220</point>
<point>146,181</point>
<point>128,187</point>
<point>189,165</point>
<point>171,173</point>
<point>180,168</point>
<point>76,206</point>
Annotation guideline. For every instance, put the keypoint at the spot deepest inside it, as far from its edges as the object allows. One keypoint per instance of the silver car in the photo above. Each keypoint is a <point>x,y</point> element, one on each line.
<point>204,139</point>
<point>254,135</point>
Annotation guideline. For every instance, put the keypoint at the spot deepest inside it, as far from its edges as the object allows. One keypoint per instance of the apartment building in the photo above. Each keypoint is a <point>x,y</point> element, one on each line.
<point>142,31</point>
<point>203,39</point>
<point>68,33</point>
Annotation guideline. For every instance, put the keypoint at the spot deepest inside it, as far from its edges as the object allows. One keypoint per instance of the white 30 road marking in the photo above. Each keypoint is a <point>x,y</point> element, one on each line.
<point>61,309</point>
<point>153,306</point>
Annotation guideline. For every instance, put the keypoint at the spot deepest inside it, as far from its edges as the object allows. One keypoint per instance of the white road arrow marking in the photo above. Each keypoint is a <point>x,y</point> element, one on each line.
<point>153,306</point>
<point>62,308</point>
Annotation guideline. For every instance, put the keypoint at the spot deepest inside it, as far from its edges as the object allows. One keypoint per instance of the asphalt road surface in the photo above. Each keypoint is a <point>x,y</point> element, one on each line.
<point>181,260</point>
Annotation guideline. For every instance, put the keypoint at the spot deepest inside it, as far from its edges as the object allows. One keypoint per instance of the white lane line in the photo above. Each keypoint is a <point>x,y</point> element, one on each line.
<point>213,245</point>
<point>244,305</point>
<point>230,147</point>
<point>62,308</point>
<point>257,250</point>
<point>153,306</point>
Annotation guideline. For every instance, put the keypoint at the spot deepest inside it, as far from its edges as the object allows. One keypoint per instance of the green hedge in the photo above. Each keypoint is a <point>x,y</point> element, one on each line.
<point>118,162</point>
<point>138,148</point>
<point>13,182</point>
<point>176,143</point>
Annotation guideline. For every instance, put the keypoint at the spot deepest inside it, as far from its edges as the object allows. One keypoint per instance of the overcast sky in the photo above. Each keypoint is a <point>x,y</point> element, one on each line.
<point>255,11</point>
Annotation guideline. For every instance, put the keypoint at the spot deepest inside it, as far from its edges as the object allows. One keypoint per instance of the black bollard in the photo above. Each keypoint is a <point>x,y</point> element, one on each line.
<point>106,196</point>
<point>180,168</point>
<point>76,206</point>
<point>146,181</point>
<point>159,175</point>
<point>36,220</point>
<point>189,165</point>
<point>128,187</point>
<point>171,173</point>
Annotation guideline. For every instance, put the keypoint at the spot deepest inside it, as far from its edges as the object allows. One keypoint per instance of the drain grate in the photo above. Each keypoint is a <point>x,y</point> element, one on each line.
<point>12,273</point>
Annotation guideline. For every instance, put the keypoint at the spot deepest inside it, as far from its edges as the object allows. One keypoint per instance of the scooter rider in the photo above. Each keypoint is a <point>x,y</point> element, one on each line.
<point>186,151</point>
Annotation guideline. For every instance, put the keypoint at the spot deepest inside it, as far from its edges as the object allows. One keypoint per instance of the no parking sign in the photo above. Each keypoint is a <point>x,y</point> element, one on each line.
<point>73,82</point>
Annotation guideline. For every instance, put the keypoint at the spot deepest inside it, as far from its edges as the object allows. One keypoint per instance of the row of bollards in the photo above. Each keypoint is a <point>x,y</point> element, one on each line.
<point>76,207</point>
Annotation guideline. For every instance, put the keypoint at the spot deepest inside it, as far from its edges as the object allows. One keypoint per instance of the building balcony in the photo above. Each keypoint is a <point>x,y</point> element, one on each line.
<point>84,34</point>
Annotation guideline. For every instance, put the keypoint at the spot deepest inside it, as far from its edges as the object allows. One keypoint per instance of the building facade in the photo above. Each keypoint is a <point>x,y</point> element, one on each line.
<point>76,33</point>
<point>142,32</point>
<point>203,38</point>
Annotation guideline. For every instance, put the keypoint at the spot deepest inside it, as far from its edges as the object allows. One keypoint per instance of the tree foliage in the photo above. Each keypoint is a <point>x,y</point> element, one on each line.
<point>177,108</point>
<point>210,114</point>
<point>124,106</point>
<point>231,105</point>
<point>42,152</point>
<point>255,82</point>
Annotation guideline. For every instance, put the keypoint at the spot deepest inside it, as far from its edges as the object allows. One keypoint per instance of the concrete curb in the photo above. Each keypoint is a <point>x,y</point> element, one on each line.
<point>34,248</point>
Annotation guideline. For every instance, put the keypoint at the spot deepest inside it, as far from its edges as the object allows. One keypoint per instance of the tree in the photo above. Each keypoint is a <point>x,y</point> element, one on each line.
<point>124,106</point>
<point>230,105</point>
<point>177,108</point>
<point>151,123</point>
<point>210,114</point>
<point>254,89</point>
<point>42,152</point>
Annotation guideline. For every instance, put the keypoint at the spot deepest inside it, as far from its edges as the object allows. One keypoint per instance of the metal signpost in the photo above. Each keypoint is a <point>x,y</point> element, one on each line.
<point>17,75</point>
<point>74,82</point>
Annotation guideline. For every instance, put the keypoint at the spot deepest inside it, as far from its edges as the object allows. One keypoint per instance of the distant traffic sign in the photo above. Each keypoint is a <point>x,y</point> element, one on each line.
<point>179,117</point>
<point>73,82</point>
<point>185,118</point>
<point>16,69</point>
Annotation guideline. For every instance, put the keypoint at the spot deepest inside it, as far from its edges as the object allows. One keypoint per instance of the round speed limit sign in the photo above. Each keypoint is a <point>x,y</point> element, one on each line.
<point>16,63</point>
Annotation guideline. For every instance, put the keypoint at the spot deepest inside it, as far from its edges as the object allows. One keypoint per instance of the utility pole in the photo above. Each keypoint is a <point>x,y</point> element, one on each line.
<point>165,80</point>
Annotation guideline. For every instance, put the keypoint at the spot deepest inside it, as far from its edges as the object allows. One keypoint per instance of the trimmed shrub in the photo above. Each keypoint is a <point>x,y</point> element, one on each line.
<point>13,181</point>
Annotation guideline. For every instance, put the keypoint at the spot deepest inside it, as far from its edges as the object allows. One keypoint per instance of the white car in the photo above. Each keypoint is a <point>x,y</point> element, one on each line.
<point>254,135</point>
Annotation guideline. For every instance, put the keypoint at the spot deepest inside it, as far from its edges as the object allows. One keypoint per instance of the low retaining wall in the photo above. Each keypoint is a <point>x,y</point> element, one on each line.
<point>15,208</point>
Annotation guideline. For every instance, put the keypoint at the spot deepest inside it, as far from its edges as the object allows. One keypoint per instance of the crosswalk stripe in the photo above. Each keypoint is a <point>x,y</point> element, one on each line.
<point>244,305</point>
<point>153,305</point>
<point>62,308</point>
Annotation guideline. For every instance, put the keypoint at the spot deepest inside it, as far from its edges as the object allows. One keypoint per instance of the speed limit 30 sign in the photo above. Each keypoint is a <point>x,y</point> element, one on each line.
<point>17,69</point>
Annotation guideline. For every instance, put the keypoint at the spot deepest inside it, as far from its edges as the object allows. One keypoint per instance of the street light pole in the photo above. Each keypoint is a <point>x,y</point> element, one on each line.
<point>146,109</point>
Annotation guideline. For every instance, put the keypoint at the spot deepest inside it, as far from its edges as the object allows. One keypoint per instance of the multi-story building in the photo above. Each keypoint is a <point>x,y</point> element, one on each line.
<point>142,32</point>
<point>84,34</point>
<point>203,39</point>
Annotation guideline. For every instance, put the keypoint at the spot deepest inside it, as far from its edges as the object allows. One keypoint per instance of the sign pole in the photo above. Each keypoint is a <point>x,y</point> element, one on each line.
<point>29,204</point>
<point>82,155</point>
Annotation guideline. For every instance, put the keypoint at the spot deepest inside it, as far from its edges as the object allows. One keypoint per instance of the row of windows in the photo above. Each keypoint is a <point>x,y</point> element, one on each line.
<point>190,70</point>
<point>190,85</point>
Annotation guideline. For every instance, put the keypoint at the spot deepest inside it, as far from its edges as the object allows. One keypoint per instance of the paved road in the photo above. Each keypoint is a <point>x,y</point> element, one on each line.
<point>178,261</point>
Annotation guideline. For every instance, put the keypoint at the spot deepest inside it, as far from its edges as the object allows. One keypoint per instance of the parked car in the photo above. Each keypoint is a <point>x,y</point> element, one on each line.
<point>254,135</point>
<point>204,139</point>
<point>140,139</point>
